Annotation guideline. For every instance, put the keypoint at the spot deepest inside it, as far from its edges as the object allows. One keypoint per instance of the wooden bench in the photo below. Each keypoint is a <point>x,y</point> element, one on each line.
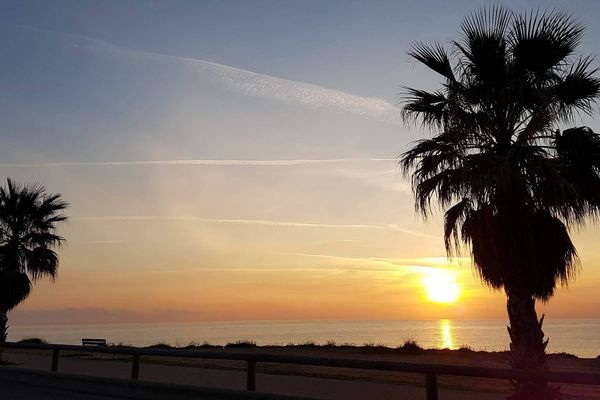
<point>94,343</point>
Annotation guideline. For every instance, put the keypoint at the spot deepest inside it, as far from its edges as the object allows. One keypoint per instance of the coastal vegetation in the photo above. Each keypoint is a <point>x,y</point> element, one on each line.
<point>407,347</point>
<point>510,182</point>
<point>28,219</point>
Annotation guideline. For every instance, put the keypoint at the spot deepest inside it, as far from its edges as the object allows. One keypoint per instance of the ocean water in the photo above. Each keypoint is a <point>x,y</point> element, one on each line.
<point>579,337</point>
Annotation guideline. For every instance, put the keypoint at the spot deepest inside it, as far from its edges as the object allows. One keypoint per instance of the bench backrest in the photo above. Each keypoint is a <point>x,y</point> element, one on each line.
<point>93,342</point>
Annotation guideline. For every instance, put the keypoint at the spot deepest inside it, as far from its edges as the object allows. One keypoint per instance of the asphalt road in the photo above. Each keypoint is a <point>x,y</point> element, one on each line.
<point>13,391</point>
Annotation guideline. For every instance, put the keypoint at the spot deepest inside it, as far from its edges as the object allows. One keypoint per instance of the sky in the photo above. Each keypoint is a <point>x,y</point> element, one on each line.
<point>235,160</point>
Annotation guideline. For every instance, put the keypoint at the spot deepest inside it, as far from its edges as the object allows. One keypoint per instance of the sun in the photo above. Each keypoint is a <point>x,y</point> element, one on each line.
<point>440,286</point>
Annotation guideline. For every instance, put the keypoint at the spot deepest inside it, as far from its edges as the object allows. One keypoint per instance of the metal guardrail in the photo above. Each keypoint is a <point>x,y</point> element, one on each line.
<point>431,371</point>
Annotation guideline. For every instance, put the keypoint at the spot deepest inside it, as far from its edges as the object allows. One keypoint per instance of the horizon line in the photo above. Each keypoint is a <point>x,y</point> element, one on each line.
<point>216,321</point>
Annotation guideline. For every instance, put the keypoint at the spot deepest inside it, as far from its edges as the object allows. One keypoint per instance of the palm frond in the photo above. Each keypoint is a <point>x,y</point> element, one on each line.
<point>489,21</point>
<point>433,56</point>
<point>579,146</point>
<point>542,41</point>
<point>444,186</point>
<point>483,48</point>
<point>425,106</point>
<point>41,262</point>
<point>540,120</point>
<point>14,288</point>
<point>453,219</point>
<point>528,252</point>
<point>28,220</point>
<point>578,150</point>
<point>578,90</point>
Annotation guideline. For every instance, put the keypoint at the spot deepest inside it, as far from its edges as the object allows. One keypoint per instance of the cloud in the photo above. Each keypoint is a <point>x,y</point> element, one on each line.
<point>418,264</point>
<point>253,84</point>
<point>397,228</point>
<point>210,163</point>
<point>283,224</point>
<point>302,269</point>
<point>104,241</point>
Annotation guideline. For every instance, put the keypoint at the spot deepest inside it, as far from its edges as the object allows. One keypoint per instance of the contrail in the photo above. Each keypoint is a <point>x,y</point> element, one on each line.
<point>209,163</point>
<point>327,268</point>
<point>293,224</point>
<point>290,224</point>
<point>411,232</point>
<point>251,83</point>
<point>419,263</point>
<point>283,224</point>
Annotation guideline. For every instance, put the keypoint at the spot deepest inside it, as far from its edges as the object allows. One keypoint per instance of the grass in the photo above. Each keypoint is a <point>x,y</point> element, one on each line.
<point>162,346</point>
<point>203,346</point>
<point>408,347</point>
<point>240,343</point>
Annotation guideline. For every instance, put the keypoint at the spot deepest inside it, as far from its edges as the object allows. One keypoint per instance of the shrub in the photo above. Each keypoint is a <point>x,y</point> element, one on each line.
<point>241,343</point>
<point>161,346</point>
<point>33,340</point>
<point>410,346</point>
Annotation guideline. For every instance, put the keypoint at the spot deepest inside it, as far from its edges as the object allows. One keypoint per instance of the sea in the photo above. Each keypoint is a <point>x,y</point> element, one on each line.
<point>580,337</point>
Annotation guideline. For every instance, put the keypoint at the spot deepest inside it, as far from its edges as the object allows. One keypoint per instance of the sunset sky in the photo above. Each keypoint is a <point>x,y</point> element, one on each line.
<point>228,160</point>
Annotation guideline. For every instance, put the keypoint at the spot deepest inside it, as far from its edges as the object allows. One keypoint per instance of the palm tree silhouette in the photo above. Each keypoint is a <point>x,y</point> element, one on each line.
<point>510,183</point>
<point>28,218</point>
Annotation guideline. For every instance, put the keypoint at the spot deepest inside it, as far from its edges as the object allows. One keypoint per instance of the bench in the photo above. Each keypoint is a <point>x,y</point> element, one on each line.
<point>94,343</point>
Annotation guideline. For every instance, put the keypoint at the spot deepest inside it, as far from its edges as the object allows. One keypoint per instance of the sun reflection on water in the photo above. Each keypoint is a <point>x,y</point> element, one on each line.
<point>446,339</point>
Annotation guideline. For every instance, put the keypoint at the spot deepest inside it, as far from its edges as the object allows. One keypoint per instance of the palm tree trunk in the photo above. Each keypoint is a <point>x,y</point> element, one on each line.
<point>3,326</point>
<point>3,329</point>
<point>527,347</point>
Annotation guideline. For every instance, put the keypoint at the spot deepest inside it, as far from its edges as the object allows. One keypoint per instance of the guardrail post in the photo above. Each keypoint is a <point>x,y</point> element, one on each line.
<point>54,366</point>
<point>431,386</point>
<point>135,367</point>
<point>251,376</point>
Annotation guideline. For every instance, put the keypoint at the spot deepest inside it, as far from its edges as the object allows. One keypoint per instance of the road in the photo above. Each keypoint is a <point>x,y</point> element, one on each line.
<point>317,388</point>
<point>12,391</point>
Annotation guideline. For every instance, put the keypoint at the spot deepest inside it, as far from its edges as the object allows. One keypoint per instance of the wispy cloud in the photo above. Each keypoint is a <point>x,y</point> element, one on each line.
<point>103,241</point>
<point>328,242</point>
<point>418,263</point>
<point>302,269</point>
<point>283,224</point>
<point>397,228</point>
<point>208,163</point>
<point>254,84</point>
<point>292,224</point>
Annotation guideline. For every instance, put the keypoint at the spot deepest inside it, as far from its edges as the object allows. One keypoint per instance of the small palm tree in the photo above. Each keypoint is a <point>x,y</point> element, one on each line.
<point>510,183</point>
<point>28,218</point>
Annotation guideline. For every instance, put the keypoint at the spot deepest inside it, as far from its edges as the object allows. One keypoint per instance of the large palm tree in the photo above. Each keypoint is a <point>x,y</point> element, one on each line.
<point>510,183</point>
<point>28,218</point>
